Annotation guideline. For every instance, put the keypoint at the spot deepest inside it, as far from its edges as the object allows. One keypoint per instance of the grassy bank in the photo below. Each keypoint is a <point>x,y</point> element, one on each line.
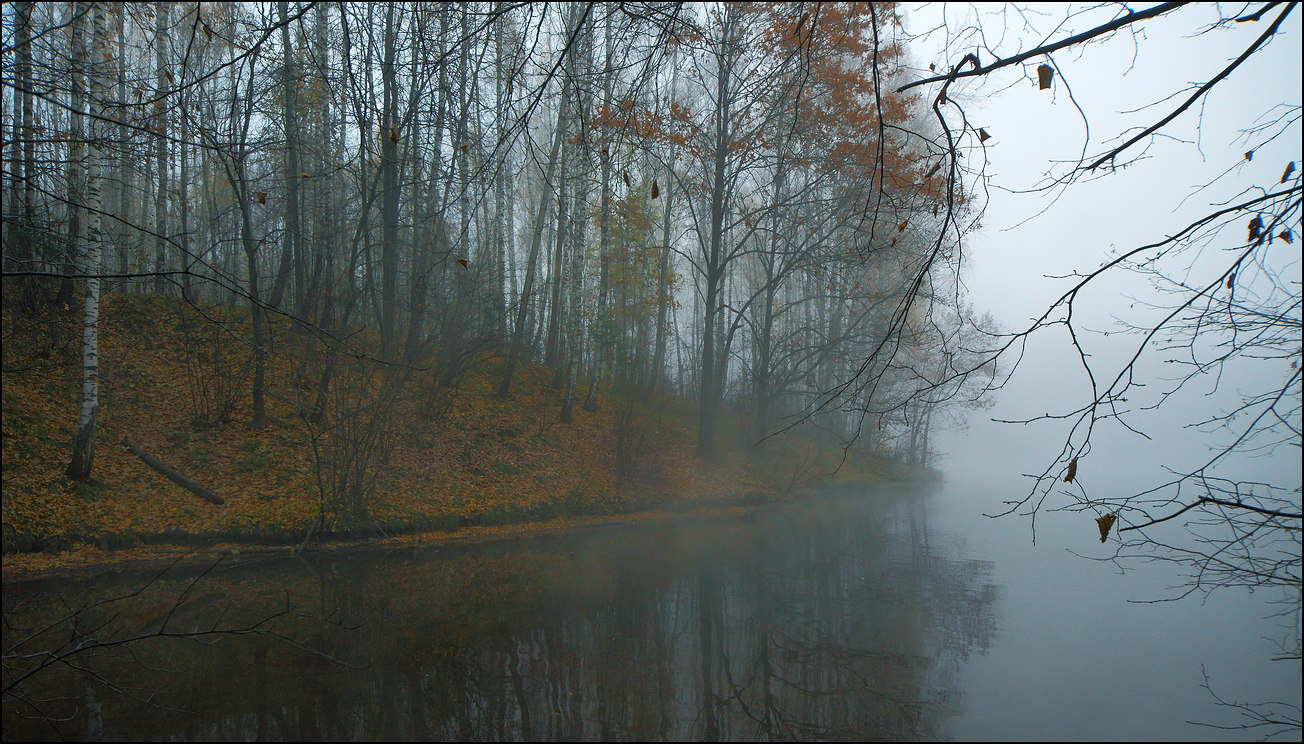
<point>450,456</point>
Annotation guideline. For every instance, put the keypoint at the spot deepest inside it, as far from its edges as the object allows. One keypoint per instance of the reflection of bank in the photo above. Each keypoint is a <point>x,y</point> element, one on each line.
<point>836,618</point>
<point>850,626</point>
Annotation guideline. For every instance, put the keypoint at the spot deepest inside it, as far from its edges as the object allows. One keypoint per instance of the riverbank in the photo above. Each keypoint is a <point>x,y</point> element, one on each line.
<point>437,459</point>
<point>88,561</point>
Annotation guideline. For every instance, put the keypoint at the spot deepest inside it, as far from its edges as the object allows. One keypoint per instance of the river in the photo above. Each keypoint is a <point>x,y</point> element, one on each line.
<point>884,615</point>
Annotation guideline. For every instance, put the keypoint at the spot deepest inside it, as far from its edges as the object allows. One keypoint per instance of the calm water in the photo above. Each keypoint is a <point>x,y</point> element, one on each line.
<point>886,616</point>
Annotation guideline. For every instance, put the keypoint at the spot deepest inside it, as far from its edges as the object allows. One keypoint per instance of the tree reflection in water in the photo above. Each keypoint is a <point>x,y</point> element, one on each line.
<point>841,618</point>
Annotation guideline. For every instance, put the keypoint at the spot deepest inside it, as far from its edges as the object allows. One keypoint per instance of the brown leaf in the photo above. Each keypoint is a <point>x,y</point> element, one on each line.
<point>625,173</point>
<point>1290,168</point>
<point>1045,74</point>
<point>393,137</point>
<point>463,262</point>
<point>901,227</point>
<point>936,167</point>
<point>1073,471</point>
<point>655,191</point>
<point>1256,227</point>
<point>1230,279</point>
<point>1286,236</point>
<point>262,197</point>
<point>1105,523</point>
<point>1249,155</point>
<point>983,136</point>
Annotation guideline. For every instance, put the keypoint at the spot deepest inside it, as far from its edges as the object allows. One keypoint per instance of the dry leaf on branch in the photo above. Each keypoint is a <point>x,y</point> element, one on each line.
<point>1045,74</point>
<point>1105,523</point>
<point>1073,471</point>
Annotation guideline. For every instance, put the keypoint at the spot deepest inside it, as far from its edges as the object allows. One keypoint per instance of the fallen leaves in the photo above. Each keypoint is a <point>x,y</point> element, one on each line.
<point>522,462</point>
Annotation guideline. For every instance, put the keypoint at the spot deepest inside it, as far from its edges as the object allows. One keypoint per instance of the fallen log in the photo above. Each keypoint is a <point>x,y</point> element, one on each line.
<point>173,475</point>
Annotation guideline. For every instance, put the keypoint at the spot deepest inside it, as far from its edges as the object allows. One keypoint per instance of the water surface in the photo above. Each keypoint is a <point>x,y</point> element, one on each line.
<point>888,615</point>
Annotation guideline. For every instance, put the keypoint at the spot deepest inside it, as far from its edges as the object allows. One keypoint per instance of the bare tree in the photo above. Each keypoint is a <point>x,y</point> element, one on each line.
<point>1214,315</point>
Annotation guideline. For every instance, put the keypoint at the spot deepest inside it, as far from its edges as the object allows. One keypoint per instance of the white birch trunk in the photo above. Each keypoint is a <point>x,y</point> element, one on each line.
<point>83,454</point>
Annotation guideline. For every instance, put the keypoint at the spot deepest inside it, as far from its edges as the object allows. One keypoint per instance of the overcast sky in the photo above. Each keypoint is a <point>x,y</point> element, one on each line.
<point>1027,237</point>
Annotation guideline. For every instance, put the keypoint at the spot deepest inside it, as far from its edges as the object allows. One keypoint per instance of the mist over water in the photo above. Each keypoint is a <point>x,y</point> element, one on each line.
<point>897,615</point>
<point>1088,648</point>
<point>837,618</point>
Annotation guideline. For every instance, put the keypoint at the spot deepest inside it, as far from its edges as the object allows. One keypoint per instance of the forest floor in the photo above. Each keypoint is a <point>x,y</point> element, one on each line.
<point>448,462</point>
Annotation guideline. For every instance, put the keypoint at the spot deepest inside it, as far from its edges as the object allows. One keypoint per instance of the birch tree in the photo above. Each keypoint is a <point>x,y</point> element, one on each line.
<point>83,453</point>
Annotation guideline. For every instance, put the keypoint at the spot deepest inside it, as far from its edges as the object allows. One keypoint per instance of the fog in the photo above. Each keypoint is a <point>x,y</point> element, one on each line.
<point>652,370</point>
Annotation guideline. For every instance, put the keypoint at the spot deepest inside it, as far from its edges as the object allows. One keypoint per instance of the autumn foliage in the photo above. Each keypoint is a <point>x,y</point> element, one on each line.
<point>482,461</point>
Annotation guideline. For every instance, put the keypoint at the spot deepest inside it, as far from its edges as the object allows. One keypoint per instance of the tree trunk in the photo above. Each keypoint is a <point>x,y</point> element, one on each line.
<point>174,476</point>
<point>125,182</point>
<point>709,403</point>
<point>290,252</point>
<point>540,217</point>
<point>433,241</point>
<point>83,453</point>
<point>390,188</point>
<point>161,149</point>
<point>255,309</point>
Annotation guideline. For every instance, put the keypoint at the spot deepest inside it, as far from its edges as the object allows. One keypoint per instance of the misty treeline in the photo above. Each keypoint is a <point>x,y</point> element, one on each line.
<point>725,203</point>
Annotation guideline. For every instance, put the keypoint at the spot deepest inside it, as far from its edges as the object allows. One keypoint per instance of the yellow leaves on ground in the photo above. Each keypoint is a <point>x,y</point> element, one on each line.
<point>486,461</point>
